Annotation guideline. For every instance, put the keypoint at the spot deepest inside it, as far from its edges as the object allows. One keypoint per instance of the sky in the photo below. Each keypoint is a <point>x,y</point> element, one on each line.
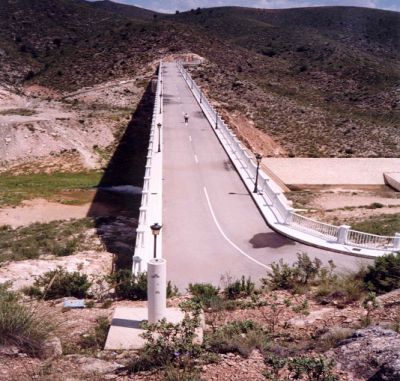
<point>170,6</point>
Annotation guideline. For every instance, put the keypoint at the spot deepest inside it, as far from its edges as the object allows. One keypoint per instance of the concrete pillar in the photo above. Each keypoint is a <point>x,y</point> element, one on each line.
<point>143,214</point>
<point>342,234</point>
<point>289,216</point>
<point>396,241</point>
<point>156,289</point>
<point>136,265</point>
<point>147,170</point>
<point>275,197</point>
<point>140,236</point>
<point>146,183</point>
<point>145,197</point>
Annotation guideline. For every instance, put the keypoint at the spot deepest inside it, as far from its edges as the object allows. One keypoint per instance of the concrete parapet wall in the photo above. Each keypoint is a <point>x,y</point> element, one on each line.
<point>393,179</point>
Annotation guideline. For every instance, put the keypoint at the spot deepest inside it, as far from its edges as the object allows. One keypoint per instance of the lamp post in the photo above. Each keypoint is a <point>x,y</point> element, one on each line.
<point>159,137</point>
<point>216,121</point>
<point>160,101</point>
<point>155,229</point>
<point>258,158</point>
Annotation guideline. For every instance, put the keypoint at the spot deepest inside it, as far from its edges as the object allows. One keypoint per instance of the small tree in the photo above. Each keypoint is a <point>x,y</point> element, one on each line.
<point>60,283</point>
<point>384,275</point>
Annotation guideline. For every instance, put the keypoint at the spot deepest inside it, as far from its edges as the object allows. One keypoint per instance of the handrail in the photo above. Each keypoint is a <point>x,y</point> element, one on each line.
<point>272,196</point>
<point>150,210</point>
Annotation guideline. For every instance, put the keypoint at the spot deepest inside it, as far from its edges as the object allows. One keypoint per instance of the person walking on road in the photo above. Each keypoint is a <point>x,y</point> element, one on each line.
<point>186,117</point>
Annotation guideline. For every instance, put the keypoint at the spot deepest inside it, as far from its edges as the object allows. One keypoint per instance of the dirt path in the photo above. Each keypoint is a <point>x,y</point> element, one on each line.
<point>41,210</point>
<point>23,273</point>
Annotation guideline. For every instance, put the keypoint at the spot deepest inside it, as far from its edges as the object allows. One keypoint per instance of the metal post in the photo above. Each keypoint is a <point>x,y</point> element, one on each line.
<point>258,158</point>
<point>155,247</point>
<point>256,182</point>
<point>216,121</point>
<point>201,96</point>
<point>159,137</point>
<point>160,102</point>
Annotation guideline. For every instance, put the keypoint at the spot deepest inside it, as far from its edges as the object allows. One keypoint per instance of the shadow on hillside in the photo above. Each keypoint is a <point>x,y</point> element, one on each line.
<point>115,207</point>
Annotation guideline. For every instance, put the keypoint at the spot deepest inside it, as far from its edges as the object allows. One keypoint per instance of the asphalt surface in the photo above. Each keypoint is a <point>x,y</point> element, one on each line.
<point>211,226</point>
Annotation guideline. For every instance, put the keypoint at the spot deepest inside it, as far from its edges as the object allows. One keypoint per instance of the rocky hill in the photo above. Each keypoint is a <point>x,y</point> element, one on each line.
<point>322,81</point>
<point>317,81</point>
<point>126,10</point>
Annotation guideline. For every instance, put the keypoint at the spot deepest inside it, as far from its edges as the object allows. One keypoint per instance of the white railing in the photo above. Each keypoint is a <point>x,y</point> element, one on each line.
<point>380,242</point>
<point>150,211</point>
<point>272,195</point>
<point>314,228</point>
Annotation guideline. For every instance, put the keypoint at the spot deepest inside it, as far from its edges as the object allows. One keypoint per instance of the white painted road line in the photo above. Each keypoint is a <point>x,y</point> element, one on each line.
<point>190,138</point>
<point>227,239</point>
<point>196,159</point>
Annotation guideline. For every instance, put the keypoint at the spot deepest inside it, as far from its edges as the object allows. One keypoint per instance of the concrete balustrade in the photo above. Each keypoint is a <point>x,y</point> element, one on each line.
<point>273,204</point>
<point>150,210</point>
<point>343,233</point>
<point>396,241</point>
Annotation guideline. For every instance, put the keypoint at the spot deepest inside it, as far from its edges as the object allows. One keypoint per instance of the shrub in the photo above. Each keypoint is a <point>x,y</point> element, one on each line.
<point>60,283</point>
<point>32,291</point>
<point>172,290</point>
<point>384,275</point>
<point>239,288</point>
<point>66,249</point>
<point>96,339</point>
<point>173,373</point>
<point>21,326</point>
<point>333,337</point>
<point>313,369</point>
<point>237,337</point>
<point>375,205</point>
<point>300,368</point>
<point>169,344</point>
<point>347,288</point>
<point>204,293</point>
<point>128,285</point>
<point>302,274</point>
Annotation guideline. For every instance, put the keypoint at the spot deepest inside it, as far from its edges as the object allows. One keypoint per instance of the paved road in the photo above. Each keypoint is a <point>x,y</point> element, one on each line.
<point>211,224</point>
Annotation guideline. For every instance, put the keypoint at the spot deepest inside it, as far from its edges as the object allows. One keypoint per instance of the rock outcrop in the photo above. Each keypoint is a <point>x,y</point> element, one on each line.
<point>372,353</point>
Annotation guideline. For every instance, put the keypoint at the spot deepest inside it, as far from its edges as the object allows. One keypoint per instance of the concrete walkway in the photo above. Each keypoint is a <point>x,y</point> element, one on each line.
<point>211,224</point>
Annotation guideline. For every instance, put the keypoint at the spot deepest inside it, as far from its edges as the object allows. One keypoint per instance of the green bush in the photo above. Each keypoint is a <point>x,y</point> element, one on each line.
<point>173,373</point>
<point>172,290</point>
<point>21,326</point>
<point>60,283</point>
<point>128,285</point>
<point>375,205</point>
<point>300,368</point>
<point>299,276</point>
<point>345,288</point>
<point>66,249</point>
<point>96,339</point>
<point>312,369</point>
<point>239,337</point>
<point>205,293</point>
<point>169,344</point>
<point>384,275</point>
<point>239,288</point>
